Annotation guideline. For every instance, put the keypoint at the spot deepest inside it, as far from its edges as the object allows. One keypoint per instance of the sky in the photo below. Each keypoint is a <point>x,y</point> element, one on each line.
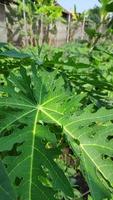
<point>81,5</point>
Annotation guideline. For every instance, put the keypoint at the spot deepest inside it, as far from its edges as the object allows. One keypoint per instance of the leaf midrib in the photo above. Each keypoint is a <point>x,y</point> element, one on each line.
<point>32,152</point>
<point>97,167</point>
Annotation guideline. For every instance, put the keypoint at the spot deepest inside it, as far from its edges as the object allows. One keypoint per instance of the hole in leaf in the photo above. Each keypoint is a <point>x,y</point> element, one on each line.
<point>14,151</point>
<point>110,137</point>
<point>5,165</point>
<point>104,157</point>
<point>21,126</point>
<point>92,134</point>
<point>77,142</point>
<point>18,181</point>
<point>111,158</point>
<point>92,124</point>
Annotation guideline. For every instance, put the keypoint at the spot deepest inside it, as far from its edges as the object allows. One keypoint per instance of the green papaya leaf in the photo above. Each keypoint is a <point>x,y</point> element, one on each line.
<point>27,107</point>
<point>14,54</point>
<point>29,103</point>
<point>92,142</point>
<point>6,190</point>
